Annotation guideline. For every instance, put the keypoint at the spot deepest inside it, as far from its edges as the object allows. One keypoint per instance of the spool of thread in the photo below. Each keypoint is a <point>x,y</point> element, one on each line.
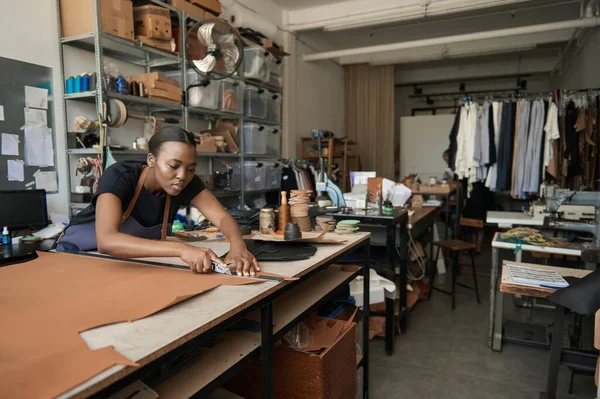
<point>284,212</point>
<point>77,85</point>
<point>70,85</point>
<point>92,84</point>
<point>85,82</point>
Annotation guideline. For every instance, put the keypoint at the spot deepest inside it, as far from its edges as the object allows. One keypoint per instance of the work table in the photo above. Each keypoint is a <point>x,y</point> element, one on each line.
<point>208,314</point>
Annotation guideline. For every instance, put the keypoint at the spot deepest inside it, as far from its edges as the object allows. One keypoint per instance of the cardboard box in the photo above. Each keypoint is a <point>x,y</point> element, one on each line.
<point>212,6</point>
<point>167,95</point>
<point>326,374</point>
<point>165,45</point>
<point>190,9</point>
<point>153,21</point>
<point>116,17</point>
<point>147,78</point>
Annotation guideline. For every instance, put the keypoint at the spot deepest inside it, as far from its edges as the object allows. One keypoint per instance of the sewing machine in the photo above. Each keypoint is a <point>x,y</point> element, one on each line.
<point>537,210</point>
<point>556,198</point>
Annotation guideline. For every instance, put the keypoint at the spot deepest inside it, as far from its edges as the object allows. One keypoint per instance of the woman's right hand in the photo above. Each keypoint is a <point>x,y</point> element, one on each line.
<point>199,259</point>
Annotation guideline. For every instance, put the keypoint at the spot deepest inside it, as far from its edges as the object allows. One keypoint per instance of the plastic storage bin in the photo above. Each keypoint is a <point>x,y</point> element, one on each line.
<point>275,71</point>
<point>255,102</point>
<point>231,96</point>
<point>273,140</point>
<point>254,175</point>
<point>274,107</point>
<point>255,138</point>
<point>205,97</point>
<point>272,175</point>
<point>256,64</point>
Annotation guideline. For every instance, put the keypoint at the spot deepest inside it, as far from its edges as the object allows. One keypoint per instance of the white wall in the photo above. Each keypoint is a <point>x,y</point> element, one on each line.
<point>582,69</point>
<point>319,96</point>
<point>424,139</point>
<point>29,33</point>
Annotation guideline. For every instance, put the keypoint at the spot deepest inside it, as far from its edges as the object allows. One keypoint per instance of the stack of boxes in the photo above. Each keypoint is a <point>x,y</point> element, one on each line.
<point>153,27</point>
<point>158,86</point>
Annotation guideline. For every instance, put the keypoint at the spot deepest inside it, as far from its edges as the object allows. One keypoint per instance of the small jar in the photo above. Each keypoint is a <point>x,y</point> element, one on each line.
<point>267,220</point>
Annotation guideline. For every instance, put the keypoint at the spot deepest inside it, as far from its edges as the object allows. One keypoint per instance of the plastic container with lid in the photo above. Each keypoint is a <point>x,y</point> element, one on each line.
<point>255,102</point>
<point>275,71</point>
<point>204,97</point>
<point>274,107</point>
<point>272,175</point>
<point>255,139</point>
<point>273,140</point>
<point>256,64</point>
<point>254,175</point>
<point>275,65</point>
<point>231,96</point>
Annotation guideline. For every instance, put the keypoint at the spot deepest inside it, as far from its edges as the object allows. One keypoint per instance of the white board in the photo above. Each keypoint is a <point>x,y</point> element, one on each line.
<point>423,140</point>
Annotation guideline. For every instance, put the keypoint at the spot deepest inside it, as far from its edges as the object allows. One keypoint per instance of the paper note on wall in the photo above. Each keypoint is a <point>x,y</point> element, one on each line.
<point>36,117</point>
<point>46,181</point>
<point>36,97</point>
<point>15,170</point>
<point>38,146</point>
<point>10,144</point>
<point>1,112</point>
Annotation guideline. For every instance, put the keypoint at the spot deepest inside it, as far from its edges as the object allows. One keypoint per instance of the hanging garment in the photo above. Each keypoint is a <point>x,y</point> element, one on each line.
<point>465,140</point>
<point>552,133</point>
<point>288,179</point>
<point>492,158</point>
<point>481,152</point>
<point>496,116</point>
<point>571,155</point>
<point>505,147</point>
<point>520,154</point>
<point>452,138</point>
<point>531,177</point>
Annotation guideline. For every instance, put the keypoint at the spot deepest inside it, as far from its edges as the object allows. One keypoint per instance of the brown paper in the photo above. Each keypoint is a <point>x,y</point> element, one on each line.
<point>46,302</point>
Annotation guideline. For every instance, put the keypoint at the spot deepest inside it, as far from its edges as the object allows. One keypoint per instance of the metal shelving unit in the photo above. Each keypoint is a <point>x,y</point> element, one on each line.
<point>102,44</point>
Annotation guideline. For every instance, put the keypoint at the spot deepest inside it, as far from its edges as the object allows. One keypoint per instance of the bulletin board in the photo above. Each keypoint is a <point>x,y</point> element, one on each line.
<point>27,131</point>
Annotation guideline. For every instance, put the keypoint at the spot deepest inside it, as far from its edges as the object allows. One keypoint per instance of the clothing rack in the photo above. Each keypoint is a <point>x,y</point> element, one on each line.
<point>516,141</point>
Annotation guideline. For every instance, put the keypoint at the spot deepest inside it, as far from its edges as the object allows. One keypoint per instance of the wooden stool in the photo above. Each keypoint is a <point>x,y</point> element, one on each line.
<point>455,247</point>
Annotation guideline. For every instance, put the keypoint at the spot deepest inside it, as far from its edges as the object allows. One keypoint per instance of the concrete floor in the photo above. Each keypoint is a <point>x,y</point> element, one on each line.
<point>444,354</point>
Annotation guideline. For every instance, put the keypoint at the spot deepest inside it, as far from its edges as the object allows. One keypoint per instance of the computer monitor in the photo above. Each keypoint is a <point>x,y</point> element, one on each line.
<point>23,209</point>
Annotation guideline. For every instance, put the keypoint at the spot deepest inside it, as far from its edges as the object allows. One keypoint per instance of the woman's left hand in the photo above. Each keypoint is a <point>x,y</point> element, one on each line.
<point>245,263</point>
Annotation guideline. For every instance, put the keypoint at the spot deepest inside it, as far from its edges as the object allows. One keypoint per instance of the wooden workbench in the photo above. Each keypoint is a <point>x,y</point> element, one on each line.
<point>508,285</point>
<point>147,340</point>
<point>420,215</point>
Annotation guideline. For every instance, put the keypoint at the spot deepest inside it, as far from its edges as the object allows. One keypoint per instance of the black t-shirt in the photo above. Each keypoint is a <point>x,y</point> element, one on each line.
<point>121,180</point>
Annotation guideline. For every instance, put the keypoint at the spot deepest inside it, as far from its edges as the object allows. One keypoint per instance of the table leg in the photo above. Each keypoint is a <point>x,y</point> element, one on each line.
<point>447,216</point>
<point>390,323</point>
<point>266,332</point>
<point>498,321</point>
<point>366,288</point>
<point>555,354</point>
<point>403,274</point>
<point>493,288</point>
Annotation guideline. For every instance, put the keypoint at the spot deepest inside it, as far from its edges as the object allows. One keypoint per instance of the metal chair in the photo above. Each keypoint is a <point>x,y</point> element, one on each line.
<point>455,247</point>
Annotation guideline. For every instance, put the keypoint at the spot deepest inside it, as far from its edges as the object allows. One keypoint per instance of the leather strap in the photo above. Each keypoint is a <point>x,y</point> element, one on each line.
<point>136,194</point>
<point>163,232</point>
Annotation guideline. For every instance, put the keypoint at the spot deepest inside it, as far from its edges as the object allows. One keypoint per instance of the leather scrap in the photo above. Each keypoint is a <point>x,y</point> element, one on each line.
<point>47,302</point>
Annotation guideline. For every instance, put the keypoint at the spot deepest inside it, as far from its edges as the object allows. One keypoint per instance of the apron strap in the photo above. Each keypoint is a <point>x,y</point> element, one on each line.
<point>163,232</point>
<point>136,194</point>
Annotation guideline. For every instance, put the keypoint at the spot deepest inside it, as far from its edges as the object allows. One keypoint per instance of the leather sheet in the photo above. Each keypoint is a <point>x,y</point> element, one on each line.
<point>46,302</point>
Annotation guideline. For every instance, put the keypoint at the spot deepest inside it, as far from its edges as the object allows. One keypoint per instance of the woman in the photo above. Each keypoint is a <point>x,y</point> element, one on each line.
<point>135,202</point>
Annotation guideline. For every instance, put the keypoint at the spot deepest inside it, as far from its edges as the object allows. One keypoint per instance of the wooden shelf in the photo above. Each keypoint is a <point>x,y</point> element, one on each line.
<point>296,301</point>
<point>233,347</point>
